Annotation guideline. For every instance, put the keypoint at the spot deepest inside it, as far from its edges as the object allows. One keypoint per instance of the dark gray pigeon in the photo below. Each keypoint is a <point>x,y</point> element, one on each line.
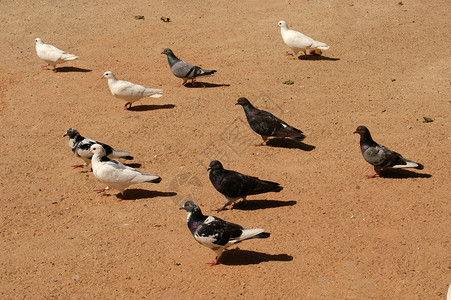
<point>380,156</point>
<point>235,186</point>
<point>266,124</point>
<point>215,233</point>
<point>81,145</point>
<point>185,70</point>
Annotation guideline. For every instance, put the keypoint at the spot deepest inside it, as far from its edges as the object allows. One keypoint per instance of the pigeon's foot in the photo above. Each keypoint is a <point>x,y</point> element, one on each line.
<point>78,166</point>
<point>54,70</point>
<point>45,66</point>
<point>101,190</point>
<point>261,144</point>
<point>289,54</point>
<point>127,106</point>
<point>193,82</point>
<point>213,263</point>
<point>372,176</point>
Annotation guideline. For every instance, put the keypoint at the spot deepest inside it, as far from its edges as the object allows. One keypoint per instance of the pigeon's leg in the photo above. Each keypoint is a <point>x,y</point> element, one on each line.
<point>265,139</point>
<point>193,82</point>
<point>225,205</point>
<point>214,263</point>
<point>127,105</point>
<point>78,166</point>
<point>102,190</point>
<point>378,172</point>
<point>54,69</point>
<point>183,83</point>
<point>121,196</point>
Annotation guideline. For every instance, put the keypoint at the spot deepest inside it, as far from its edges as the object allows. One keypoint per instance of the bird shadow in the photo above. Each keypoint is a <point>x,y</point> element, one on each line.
<point>199,84</point>
<point>235,257</point>
<point>135,194</point>
<point>287,143</point>
<point>151,107</point>
<point>262,204</point>
<point>316,57</point>
<point>402,173</point>
<point>72,69</point>
<point>134,165</point>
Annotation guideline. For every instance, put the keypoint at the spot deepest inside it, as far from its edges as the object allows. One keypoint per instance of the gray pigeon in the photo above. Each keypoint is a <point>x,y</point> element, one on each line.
<point>266,124</point>
<point>185,70</point>
<point>215,233</point>
<point>380,156</point>
<point>80,146</point>
<point>234,185</point>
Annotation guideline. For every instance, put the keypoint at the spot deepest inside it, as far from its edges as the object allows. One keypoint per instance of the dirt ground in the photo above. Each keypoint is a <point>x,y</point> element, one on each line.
<point>334,233</point>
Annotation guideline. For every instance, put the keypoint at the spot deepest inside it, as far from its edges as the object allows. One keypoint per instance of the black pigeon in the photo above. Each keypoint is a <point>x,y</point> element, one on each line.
<point>215,233</point>
<point>380,156</point>
<point>185,70</point>
<point>235,186</point>
<point>81,145</point>
<point>266,124</point>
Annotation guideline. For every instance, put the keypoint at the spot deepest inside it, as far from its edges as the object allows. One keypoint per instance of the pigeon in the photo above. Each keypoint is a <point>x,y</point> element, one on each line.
<point>300,42</point>
<point>115,174</point>
<point>52,55</point>
<point>128,91</point>
<point>234,185</point>
<point>81,145</point>
<point>185,70</point>
<point>266,124</point>
<point>380,156</point>
<point>215,233</point>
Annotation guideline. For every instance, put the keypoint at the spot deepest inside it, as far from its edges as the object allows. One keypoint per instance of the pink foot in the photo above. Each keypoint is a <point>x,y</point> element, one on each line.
<point>371,176</point>
<point>127,105</point>
<point>78,166</point>
<point>213,263</point>
<point>44,66</point>
<point>261,144</point>
<point>100,190</point>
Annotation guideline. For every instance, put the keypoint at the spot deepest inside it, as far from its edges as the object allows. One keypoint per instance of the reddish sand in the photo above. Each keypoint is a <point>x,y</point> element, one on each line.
<point>334,233</point>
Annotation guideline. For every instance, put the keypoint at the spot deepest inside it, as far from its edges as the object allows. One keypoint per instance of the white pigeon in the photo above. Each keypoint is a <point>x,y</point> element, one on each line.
<point>128,91</point>
<point>115,174</point>
<point>52,55</point>
<point>300,42</point>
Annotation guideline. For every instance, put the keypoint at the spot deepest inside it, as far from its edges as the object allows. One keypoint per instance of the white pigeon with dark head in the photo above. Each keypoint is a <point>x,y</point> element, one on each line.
<point>128,91</point>
<point>80,145</point>
<point>266,124</point>
<point>52,55</point>
<point>380,156</point>
<point>115,174</point>
<point>235,186</point>
<point>300,42</point>
<point>216,233</point>
<point>185,70</point>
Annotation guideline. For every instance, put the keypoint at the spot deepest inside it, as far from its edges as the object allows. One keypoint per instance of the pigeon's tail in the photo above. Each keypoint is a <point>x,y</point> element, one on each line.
<point>256,233</point>
<point>264,186</point>
<point>204,73</point>
<point>153,93</point>
<point>155,179</point>
<point>298,138</point>
<point>409,164</point>
<point>121,154</point>
<point>263,235</point>
<point>320,45</point>
<point>67,56</point>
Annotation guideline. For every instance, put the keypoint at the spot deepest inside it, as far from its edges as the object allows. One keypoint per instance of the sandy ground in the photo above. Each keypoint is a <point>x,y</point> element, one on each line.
<point>334,233</point>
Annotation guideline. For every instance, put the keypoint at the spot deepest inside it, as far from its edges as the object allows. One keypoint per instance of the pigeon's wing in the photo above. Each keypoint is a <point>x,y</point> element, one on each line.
<point>82,148</point>
<point>233,184</point>
<point>49,52</point>
<point>214,231</point>
<point>265,123</point>
<point>298,40</point>
<point>379,156</point>
<point>128,89</point>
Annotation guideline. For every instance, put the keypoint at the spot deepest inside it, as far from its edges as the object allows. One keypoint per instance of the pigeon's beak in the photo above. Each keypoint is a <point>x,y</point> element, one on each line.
<point>162,52</point>
<point>90,151</point>
<point>208,169</point>
<point>65,134</point>
<point>237,103</point>
<point>356,131</point>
